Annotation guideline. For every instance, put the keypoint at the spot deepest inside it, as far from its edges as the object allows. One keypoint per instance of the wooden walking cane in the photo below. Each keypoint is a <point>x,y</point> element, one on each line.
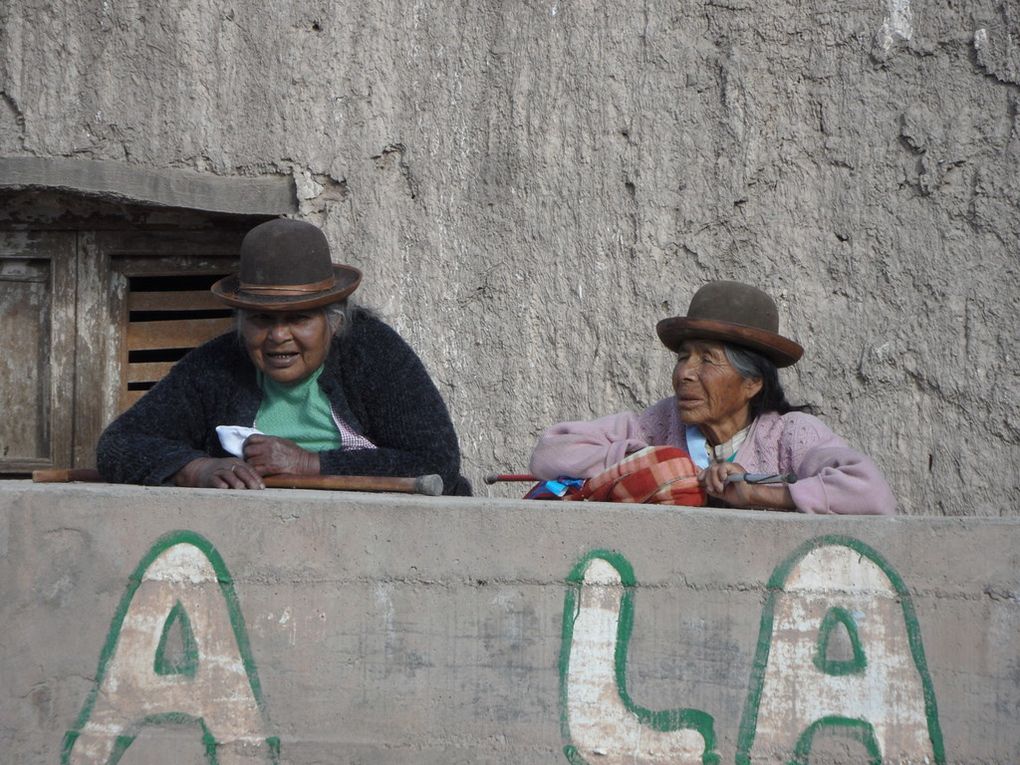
<point>491,478</point>
<point>66,475</point>
<point>430,485</point>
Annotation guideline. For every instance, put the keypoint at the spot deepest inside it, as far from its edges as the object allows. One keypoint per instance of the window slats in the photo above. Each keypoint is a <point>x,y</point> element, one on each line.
<point>190,300</point>
<point>148,372</point>
<point>183,333</point>
<point>129,397</point>
<point>168,314</point>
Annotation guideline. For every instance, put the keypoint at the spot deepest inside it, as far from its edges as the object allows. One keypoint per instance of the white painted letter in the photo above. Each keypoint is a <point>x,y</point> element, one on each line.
<point>600,721</point>
<point>180,594</point>
<point>878,692</point>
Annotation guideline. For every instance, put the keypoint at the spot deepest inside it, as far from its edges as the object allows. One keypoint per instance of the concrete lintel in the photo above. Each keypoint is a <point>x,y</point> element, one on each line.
<point>165,187</point>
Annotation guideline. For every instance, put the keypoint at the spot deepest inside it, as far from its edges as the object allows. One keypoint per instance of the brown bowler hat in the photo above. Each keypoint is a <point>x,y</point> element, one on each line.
<point>733,313</point>
<point>285,266</point>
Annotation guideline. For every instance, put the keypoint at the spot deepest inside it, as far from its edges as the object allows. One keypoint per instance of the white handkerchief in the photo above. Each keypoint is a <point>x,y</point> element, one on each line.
<point>232,438</point>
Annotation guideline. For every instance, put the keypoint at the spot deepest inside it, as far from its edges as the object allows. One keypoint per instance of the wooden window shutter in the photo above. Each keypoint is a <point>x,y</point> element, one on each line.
<point>37,365</point>
<point>167,316</point>
<point>143,303</point>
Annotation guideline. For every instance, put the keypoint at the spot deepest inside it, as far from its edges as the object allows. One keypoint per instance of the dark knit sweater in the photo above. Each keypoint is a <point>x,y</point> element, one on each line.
<point>373,380</point>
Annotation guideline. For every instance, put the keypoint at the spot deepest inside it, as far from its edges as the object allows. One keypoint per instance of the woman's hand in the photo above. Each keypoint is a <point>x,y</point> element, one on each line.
<point>214,473</point>
<point>269,455</point>
<point>741,493</point>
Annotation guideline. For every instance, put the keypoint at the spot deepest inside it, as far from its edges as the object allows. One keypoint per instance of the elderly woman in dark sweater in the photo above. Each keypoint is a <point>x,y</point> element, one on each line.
<point>330,388</point>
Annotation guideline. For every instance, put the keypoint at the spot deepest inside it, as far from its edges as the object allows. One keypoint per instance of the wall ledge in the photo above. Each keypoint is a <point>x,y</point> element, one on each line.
<point>274,195</point>
<point>393,628</point>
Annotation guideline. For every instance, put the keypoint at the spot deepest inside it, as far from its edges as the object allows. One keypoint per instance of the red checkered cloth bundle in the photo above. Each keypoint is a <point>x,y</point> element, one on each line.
<point>656,475</point>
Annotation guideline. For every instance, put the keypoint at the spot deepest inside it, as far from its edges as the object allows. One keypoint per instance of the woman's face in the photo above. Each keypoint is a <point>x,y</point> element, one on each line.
<point>288,346</point>
<point>710,393</point>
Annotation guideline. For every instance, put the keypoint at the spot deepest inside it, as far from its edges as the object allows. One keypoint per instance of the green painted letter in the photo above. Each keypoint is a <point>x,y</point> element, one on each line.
<point>180,591</point>
<point>881,697</point>
<point>600,722</point>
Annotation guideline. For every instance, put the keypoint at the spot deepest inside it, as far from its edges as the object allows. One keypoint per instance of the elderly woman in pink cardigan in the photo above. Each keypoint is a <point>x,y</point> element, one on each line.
<point>729,412</point>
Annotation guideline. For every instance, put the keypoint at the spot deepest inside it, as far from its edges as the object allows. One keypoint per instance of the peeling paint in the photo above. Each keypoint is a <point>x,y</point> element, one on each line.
<point>877,692</point>
<point>898,25</point>
<point>598,718</point>
<point>306,186</point>
<point>181,587</point>
<point>883,697</point>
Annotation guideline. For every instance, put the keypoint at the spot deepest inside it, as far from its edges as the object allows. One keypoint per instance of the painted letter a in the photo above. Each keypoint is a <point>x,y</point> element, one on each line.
<point>177,653</point>
<point>836,591</point>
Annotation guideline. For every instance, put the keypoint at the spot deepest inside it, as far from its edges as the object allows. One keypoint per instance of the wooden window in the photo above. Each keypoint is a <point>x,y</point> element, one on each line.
<point>147,306</point>
<point>92,320</point>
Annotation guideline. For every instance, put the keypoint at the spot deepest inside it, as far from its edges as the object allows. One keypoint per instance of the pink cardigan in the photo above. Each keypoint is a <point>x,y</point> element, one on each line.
<point>832,477</point>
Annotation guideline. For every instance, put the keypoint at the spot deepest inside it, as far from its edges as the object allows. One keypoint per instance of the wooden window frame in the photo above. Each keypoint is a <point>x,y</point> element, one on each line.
<point>113,258</point>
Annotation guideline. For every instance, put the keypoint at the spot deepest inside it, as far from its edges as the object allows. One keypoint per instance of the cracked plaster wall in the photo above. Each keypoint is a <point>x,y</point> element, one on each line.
<point>530,186</point>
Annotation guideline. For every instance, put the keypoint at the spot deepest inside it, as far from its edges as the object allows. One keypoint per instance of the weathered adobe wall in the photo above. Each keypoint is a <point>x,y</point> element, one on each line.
<point>161,624</point>
<point>530,186</point>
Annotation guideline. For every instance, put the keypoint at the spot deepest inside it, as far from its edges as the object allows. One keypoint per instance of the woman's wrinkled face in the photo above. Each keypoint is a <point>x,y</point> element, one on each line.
<point>288,346</point>
<point>709,391</point>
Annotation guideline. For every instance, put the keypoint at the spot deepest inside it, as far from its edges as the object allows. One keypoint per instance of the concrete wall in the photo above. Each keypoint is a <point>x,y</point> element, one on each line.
<point>529,186</point>
<point>157,625</point>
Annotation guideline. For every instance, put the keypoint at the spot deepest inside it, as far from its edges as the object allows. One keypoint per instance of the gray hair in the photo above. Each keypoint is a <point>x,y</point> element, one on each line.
<point>754,366</point>
<point>741,359</point>
<point>338,316</point>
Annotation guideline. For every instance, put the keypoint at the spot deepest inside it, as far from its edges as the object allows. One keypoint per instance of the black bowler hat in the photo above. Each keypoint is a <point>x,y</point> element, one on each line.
<point>285,265</point>
<point>736,313</point>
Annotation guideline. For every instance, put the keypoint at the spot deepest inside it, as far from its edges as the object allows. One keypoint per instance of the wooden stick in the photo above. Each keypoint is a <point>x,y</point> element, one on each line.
<point>430,485</point>
<point>491,478</point>
<point>66,475</point>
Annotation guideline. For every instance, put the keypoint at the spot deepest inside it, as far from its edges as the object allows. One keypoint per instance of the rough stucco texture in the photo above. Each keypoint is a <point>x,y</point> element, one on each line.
<point>530,186</point>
